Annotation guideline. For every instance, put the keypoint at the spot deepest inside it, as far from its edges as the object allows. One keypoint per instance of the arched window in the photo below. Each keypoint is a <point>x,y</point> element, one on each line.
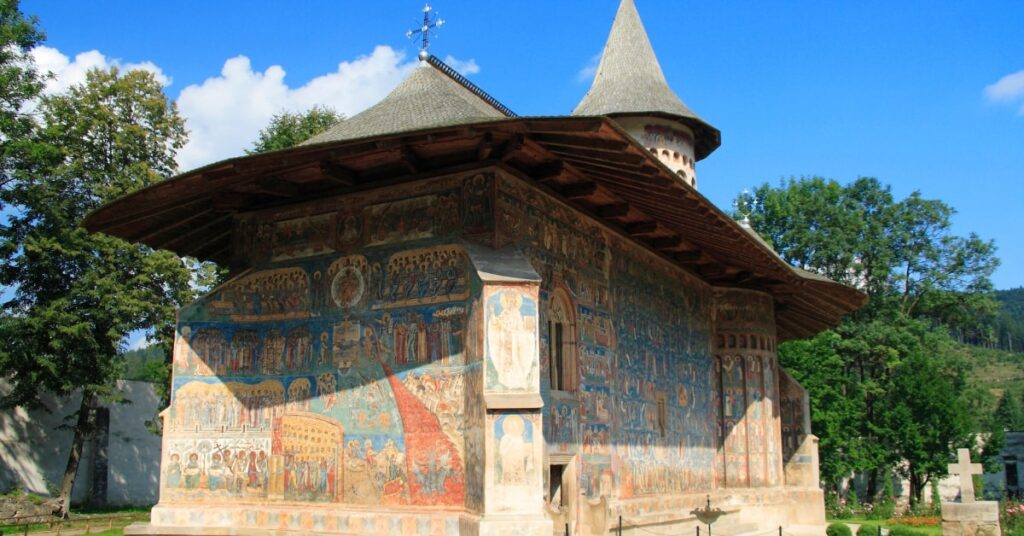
<point>561,342</point>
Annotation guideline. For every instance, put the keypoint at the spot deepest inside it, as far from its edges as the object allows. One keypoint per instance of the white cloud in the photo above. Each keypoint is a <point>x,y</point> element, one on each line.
<point>1009,89</point>
<point>464,68</point>
<point>586,74</point>
<point>225,113</point>
<point>67,72</point>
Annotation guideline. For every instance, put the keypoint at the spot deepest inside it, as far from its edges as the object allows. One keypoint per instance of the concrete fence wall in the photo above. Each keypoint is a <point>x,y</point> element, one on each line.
<point>119,467</point>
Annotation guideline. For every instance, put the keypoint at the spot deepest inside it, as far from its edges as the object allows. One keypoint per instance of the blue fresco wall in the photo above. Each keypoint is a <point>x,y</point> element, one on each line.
<point>341,367</point>
<point>642,334</point>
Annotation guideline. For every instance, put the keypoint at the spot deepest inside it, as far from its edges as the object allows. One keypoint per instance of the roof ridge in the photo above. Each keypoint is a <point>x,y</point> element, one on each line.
<point>450,71</point>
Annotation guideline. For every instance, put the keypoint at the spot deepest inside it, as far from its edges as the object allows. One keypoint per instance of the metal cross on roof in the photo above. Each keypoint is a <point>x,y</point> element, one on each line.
<point>431,22</point>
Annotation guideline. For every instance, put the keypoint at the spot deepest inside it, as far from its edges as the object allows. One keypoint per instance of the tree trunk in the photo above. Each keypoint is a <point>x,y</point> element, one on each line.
<point>82,427</point>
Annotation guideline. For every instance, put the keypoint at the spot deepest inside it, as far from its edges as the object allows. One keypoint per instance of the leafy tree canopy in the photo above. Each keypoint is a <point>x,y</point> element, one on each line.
<point>288,129</point>
<point>887,386</point>
<point>76,295</point>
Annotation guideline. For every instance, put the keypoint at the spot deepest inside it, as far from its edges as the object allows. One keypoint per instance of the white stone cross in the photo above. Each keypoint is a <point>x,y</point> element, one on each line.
<point>966,470</point>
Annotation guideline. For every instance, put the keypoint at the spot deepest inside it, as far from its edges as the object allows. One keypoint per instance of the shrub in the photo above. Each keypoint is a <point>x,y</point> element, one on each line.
<point>838,529</point>
<point>1011,517</point>
<point>867,529</point>
<point>835,507</point>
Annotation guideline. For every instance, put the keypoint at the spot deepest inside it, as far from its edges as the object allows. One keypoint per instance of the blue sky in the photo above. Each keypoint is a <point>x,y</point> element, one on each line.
<point>894,90</point>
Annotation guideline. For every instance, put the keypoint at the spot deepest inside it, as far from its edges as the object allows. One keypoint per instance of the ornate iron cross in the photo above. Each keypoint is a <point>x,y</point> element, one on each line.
<point>431,22</point>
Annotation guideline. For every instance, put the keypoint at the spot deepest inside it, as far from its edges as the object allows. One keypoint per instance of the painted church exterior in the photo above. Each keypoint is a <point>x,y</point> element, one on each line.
<point>446,319</point>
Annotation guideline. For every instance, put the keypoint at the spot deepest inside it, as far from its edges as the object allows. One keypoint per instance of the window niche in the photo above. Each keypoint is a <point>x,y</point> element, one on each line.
<point>561,325</point>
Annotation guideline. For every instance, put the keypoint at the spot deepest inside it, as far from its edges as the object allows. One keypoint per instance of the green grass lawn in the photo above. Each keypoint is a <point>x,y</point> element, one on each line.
<point>869,527</point>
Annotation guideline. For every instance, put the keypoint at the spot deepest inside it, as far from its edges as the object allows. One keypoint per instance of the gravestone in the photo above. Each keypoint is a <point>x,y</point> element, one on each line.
<point>969,517</point>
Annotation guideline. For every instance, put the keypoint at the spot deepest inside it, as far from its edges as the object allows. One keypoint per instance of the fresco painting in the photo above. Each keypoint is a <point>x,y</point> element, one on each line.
<point>478,204</point>
<point>326,378</point>
<point>757,421</point>
<point>350,365</point>
<point>514,461</point>
<point>773,452</point>
<point>634,319</point>
<point>561,427</point>
<point>411,219</point>
<point>511,318</point>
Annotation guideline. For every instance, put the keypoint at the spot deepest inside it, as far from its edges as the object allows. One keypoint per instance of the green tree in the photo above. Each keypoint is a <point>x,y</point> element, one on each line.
<point>1009,414</point>
<point>925,415</point>
<point>77,295</point>
<point>288,129</point>
<point>19,83</point>
<point>924,283</point>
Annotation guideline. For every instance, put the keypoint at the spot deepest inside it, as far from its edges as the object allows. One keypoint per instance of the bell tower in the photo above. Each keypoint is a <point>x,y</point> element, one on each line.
<point>631,87</point>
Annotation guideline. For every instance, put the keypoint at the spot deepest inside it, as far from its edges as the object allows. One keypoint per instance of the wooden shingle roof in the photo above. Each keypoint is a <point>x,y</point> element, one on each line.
<point>629,81</point>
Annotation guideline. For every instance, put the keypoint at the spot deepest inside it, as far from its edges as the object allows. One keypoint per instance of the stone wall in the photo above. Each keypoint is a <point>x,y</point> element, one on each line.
<point>34,452</point>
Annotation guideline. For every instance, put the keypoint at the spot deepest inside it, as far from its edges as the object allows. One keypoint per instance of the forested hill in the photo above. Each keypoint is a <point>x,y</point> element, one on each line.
<point>1009,322</point>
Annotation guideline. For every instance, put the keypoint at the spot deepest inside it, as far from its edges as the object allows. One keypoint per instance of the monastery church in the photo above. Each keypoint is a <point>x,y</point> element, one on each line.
<point>446,319</point>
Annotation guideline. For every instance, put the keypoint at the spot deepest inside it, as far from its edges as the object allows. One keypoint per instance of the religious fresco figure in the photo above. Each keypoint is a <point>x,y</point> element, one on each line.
<point>172,473</point>
<point>515,450</point>
<point>215,472</point>
<point>192,472</point>
<point>511,339</point>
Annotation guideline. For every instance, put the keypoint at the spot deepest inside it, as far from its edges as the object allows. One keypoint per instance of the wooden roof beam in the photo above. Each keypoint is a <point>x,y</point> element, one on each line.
<point>547,172</point>
<point>188,237</point>
<point>200,251</point>
<point>579,190</point>
<point>600,157</point>
<point>688,257</point>
<point>568,140</point>
<point>666,242</point>
<point>337,173</point>
<point>614,210</point>
<point>512,148</point>
<point>712,271</point>
<point>275,186</point>
<point>164,229</point>
<point>219,172</point>
<point>486,147</point>
<point>409,159</point>
<point>641,228</point>
<point>135,218</point>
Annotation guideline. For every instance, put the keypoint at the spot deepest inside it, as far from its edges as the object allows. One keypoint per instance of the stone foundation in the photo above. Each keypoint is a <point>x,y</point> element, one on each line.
<point>971,519</point>
<point>269,520</point>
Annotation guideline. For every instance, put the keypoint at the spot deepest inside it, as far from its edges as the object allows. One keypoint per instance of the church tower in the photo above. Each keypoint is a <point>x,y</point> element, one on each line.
<point>630,87</point>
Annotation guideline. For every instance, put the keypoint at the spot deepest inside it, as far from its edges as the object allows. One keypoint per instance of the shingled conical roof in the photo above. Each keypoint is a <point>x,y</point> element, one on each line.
<point>629,81</point>
<point>433,95</point>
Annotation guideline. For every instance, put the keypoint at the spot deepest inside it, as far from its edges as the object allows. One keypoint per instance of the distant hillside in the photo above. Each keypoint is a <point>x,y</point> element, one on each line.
<point>145,364</point>
<point>1009,323</point>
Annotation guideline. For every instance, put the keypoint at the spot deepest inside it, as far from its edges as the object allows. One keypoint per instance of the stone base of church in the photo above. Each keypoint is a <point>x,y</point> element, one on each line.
<point>747,511</point>
<point>514,525</point>
<point>272,520</point>
<point>971,519</point>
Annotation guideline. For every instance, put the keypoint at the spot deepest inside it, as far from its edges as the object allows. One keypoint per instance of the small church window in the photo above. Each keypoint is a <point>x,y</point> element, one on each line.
<point>561,348</point>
